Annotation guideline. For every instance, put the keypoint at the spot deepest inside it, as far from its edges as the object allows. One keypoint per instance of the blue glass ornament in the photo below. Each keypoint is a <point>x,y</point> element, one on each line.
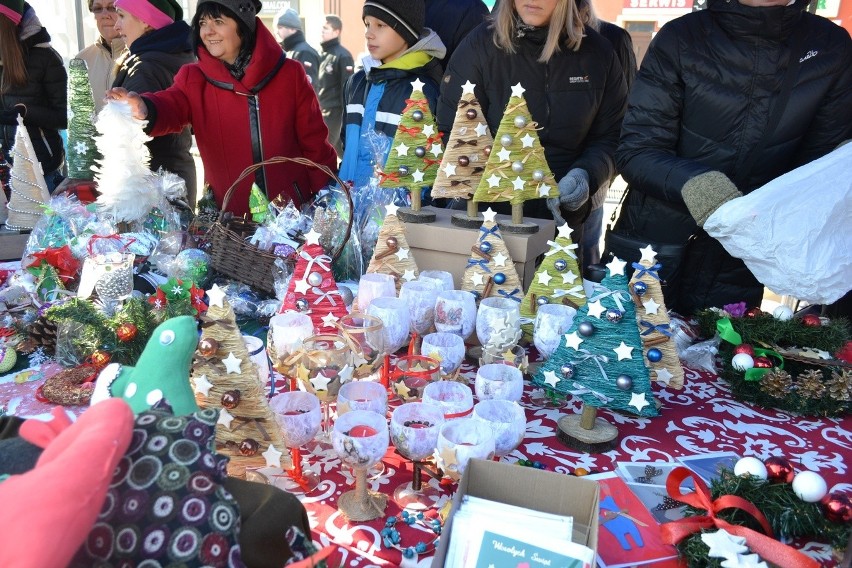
<point>654,355</point>
<point>485,247</point>
<point>640,288</point>
<point>499,278</point>
<point>561,265</point>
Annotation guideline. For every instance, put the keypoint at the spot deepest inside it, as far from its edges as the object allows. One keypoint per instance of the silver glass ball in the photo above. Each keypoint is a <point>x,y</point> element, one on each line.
<point>420,151</point>
<point>586,329</point>
<point>567,371</point>
<point>538,175</point>
<point>624,382</point>
<point>314,278</point>
<point>417,115</point>
<point>561,265</point>
<point>346,294</point>
<point>613,315</point>
<point>517,166</point>
<point>403,170</point>
<point>542,300</point>
<point>520,121</point>
<point>506,140</point>
<point>302,305</point>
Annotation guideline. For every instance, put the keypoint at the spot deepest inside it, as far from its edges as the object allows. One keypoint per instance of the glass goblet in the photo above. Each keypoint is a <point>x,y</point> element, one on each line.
<point>421,305</point>
<point>362,395</point>
<point>515,356</point>
<point>394,315</point>
<point>552,321</point>
<point>448,348</point>
<point>298,414</point>
<point>455,312</point>
<point>325,365</point>
<point>461,440</point>
<point>454,398</point>
<point>374,285</point>
<point>411,374</point>
<point>498,323</point>
<point>360,438</point>
<point>499,381</point>
<point>368,342</point>
<point>441,279</point>
<point>287,331</point>
<point>257,355</point>
<point>414,428</point>
<point>506,419</point>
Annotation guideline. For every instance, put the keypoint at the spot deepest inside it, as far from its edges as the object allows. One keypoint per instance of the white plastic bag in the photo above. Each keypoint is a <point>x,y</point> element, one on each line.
<point>795,232</point>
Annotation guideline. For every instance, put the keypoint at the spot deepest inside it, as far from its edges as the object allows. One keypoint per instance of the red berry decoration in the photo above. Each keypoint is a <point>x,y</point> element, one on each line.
<point>744,348</point>
<point>126,332</point>
<point>762,363</point>
<point>779,470</point>
<point>838,507</point>
<point>811,320</point>
<point>100,359</point>
<point>753,312</point>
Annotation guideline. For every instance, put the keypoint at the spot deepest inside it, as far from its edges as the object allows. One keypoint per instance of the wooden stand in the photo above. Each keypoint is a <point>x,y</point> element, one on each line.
<point>471,220</point>
<point>518,226</point>
<point>587,432</point>
<point>415,214</point>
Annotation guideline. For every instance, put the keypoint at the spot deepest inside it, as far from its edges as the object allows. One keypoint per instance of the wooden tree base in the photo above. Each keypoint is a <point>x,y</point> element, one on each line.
<point>409,215</point>
<point>603,437</point>
<point>465,221</point>
<point>517,228</point>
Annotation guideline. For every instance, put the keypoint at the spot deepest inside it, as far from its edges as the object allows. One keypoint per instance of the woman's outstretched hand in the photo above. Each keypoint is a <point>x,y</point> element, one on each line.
<point>137,105</point>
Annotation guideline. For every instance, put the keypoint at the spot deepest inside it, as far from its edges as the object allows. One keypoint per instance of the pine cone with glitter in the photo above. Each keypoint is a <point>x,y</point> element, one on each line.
<point>776,384</point>
<point>810,384</point>
<point>42,333</point>
<point>840,385</point>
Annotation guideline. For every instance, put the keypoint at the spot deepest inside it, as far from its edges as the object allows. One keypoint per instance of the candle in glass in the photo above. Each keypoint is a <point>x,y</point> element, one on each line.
<point>454,398</point>
<point>374,285</point>
<point>411,374</point>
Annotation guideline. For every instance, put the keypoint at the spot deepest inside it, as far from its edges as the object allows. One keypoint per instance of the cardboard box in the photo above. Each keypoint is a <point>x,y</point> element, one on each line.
<point>535,489</point>
<point>12,243</point>
<point>443,246</point>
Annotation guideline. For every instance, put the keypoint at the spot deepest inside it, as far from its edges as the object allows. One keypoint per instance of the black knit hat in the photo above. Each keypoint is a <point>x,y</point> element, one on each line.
<point>245,10</point>
<point>405,17</point>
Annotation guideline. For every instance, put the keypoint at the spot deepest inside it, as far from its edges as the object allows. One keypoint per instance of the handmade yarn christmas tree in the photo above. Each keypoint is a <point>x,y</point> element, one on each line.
<point>312,288</point>
<point>601,359</point>
<point>653,319</point>
<point>490,270</point>
<point>392,254</point>
<point>466,152</point>
<point>224,377</point>
<point>557,280</point>
<point>516,170</point>
<point>82,149</point>
<point>29,190</point>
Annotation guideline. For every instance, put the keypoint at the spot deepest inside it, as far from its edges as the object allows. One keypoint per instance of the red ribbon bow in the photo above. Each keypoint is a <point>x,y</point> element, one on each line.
<point>764,545</point>
<point>414,103</point>
<point>61,259</point>
<point>393,176</point>
<point>411,131</point>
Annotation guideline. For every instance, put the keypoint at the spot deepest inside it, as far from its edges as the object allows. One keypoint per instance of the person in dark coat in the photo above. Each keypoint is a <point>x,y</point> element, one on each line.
<point>158,45</point>
<point>452,20</point>
<point>294,44</point>
<point>335,69</point>
<point>574,88</point>
<point>33,85</point>
<point>699,108</point>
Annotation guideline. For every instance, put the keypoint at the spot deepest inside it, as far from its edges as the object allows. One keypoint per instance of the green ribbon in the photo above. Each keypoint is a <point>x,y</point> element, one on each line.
<point>727,332</point>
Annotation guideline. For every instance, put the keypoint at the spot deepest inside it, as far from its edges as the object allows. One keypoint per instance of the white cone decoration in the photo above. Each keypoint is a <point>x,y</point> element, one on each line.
<point>29,190</point>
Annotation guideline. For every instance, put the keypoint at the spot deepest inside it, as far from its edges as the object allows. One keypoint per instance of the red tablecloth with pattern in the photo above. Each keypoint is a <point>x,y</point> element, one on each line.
<point>701,418</point>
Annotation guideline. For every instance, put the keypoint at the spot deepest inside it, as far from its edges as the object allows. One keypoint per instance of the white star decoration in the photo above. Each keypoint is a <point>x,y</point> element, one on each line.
<point>489,215</point>
<point>417,84</point>
<point>638,401</point>
<point>301,286</point>
<point>467,88</point>
<point>481,129</point>
<point>80,147</point>
<point>202,385</point>
<point>723,544</point>
<point>550,378</point>
<point>232,364</point>
<point>500,259</point>
<point>648,254</point>
<point>391,209</point>
<point>329,319</point>
<point>417,176</point>
<point>651,307</point>
<point>493,181</point>
<point>177,290</point>
<point>744,561</point>
<point>320,382</point>
<point>596,309</point>
<point>518,90</point>
<point>450,169</point>
<point>477,279</point>
<point>623,351</point>
<point>518,184</point>
<point>408,275</point>
<point>402,253</point>
<point>527,141</point>
<point>664,376</point>
<point>565,231</point>
<point>273,456</point>
<point>429,130</point>
<point>402,149</point>
<point>312,237</point>
<point>573,340</point>
<point>616,266</point>
<point>436,150</point>
<point>225,418</point>
<point>504,155</point>
<point>544,278</point>
<point>568,277</point>
<point>216,296</point>
<point>543,190</point>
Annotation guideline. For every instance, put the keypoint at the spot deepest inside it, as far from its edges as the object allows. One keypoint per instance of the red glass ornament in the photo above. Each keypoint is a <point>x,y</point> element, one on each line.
<point>753,312</point>
<point>126,332</point>
<point>208,347</point>
<point>100,359</point>
<point>762,363</point>
<point>249,447</point>
<point>837,507</point>
<point>779,470</point>
<point>744,348</point>
<point>811,320</point>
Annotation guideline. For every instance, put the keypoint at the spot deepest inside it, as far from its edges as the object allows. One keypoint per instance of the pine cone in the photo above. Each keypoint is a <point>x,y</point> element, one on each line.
<point>42,333</point>
<point>810,384</point>
<point>776,384</point>
<point>840,385</point>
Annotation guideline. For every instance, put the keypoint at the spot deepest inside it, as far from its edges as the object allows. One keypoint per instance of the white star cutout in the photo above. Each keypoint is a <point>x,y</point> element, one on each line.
<point>391,209</point>
<point>481,129</point>
<point>651,307</point>
<point>436,150</point>
<point>273,456</point>
<point>216,296</point>
<point>568,277</point>
<point>664,376</point>
<point>320,382</point>
<point>500,259</point>
<point>518,90</point>
<point>616,266</point>
<point>417,176</point>
<point>467,88</point>
<point>493,181</point>
<point>623,351</point>
<point>596,309</point>
<point>417,84</point>
<point>80,147</point>
<point>527,141</point>
<point>429,130</point>
<point>564,231</point>
<point>518,184</point>
<point>573,340</point>
<point>329,319</point>
<point>225,418</point>
<point>202,385</point>
<point>648,254</point>
<point>544,278</point>
<point>543,190</point>
<point>301,286</point>
<point>312,237</point>
<point>176,290</point>
<point>232,364</point>
<point>402,149</point>
<point>489,215</point>
<point>744,561</point>
<point>450,169</point>
<point>723,544</point>
<point>550,378</point>
<point>402,253</point>
<point>504,155</point>
<point>638,401</point>
<point>408,275</point>
<point>477,279</point>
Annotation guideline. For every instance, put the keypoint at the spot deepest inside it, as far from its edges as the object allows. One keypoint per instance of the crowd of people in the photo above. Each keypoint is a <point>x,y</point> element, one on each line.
<point>727,98</point>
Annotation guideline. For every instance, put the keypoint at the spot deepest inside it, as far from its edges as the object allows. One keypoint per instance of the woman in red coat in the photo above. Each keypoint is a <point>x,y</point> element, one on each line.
<point>246,103</point>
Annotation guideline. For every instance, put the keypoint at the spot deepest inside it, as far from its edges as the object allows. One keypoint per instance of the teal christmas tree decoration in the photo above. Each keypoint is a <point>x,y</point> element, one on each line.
<point>82,150</point>
<point>601,358</point>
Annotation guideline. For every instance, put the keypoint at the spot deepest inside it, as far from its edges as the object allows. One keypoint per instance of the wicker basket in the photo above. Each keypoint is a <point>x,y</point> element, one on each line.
<point>230,252</point>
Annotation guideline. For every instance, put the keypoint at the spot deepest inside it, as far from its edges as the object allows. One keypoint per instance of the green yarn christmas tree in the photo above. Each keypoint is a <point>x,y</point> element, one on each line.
<point>82,150</point>
<point>601,360</point>
<point>557,280</point>
<point>516,170</point>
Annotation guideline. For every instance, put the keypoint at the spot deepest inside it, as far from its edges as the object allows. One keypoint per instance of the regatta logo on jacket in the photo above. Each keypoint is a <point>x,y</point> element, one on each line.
<point>811,53</point>
<point>581,79</point>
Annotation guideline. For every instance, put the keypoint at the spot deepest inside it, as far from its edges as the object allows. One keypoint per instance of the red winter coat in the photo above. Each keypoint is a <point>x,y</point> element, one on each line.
<point>272,111</point>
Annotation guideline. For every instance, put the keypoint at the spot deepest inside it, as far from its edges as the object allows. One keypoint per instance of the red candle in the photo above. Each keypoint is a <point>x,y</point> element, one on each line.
<point>293,412</point>
<point>362,431</point>
<point>419,425</point>
<point>415,382</point>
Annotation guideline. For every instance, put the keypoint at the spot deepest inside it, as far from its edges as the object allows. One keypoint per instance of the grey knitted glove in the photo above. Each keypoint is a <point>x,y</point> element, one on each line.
<point>706,192</point>
<point>574,189</point>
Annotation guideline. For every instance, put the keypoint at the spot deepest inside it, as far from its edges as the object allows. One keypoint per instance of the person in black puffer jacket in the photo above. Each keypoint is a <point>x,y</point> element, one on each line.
<point>452,20</point>
<point>699,108</point>
<point>574,88</point>
<point>33,84</point>
<point>158,45</point>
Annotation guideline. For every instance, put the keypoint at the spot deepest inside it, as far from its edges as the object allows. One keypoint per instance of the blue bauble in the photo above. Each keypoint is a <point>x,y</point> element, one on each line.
<point>613,315</point>
<point>586,329</point>
<point>560,265</point>
<point>640,288</point>
<point>654,355</point>
<point>499,278</point>
<point>485,247</point>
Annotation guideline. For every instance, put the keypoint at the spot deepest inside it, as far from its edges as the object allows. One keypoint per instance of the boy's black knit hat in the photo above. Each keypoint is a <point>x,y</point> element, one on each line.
<point>405,17</point>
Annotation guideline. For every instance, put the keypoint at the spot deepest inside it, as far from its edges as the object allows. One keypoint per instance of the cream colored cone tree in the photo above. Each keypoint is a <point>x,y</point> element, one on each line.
<point>490,270</point>
<point>392,254</point>
<point>29,190</point>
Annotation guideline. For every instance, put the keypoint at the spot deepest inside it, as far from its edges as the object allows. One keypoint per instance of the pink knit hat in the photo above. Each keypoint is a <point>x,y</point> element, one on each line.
<point>155,13</point>
<point>12,9</point>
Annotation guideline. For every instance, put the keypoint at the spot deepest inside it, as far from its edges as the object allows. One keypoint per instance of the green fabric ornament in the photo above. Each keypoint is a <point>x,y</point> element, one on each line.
<point>8,358</point>
<point>162,372</point>
<point>258,204</point>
